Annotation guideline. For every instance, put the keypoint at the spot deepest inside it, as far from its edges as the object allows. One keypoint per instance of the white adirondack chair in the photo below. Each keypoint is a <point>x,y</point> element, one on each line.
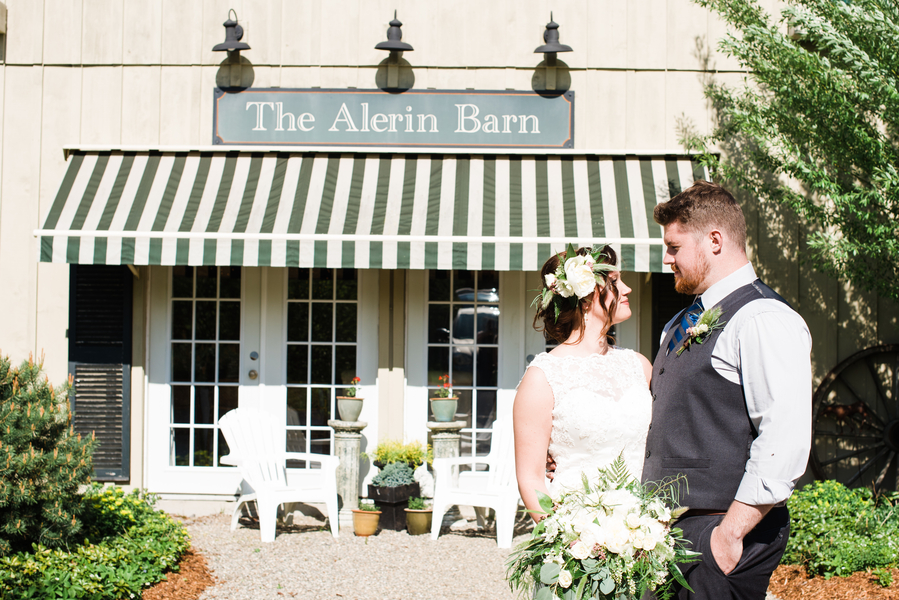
<point>499,490</point>
<point>251,436</point>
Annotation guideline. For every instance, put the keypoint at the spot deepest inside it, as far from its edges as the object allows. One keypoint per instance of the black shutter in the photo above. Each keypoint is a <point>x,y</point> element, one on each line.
<point>665,304</point>
<point>100,362</point>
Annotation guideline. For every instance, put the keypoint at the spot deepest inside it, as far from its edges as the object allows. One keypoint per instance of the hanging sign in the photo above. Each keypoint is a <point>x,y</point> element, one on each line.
<point>425,118</point>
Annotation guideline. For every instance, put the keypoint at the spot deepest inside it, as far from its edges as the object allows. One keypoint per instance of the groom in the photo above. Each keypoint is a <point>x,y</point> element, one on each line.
<point>731,402</point>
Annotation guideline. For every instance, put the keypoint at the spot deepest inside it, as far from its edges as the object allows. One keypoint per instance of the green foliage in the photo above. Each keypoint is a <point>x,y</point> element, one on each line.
<point>394,475</point>
<point>391,451</point>
<point>118,566</point>
<point>822,109</point>
<point>884,577</point>
<point>42,461</point>
<point>369,507</point>
<point>835,530</point>
<point>416,503</point>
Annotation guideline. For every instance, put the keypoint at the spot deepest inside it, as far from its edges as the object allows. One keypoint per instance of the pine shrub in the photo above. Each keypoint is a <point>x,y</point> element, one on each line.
<point>42,461</point>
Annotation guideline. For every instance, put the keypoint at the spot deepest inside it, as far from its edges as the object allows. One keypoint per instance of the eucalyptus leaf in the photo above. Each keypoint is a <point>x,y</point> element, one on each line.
<point>580,588</point>
<point>607,586</point>
<point>546,503</point>
<point>544,593</point>
<point>549,573</point>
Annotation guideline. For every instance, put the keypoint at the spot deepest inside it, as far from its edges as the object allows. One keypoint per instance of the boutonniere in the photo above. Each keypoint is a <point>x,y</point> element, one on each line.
<point>707,323</point>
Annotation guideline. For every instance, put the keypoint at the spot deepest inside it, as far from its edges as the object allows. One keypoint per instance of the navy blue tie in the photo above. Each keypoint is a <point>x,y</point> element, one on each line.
<point>688,320</point>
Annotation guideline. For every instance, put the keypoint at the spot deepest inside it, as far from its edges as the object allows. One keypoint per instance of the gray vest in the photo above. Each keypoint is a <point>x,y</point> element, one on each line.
<point>700,427</point>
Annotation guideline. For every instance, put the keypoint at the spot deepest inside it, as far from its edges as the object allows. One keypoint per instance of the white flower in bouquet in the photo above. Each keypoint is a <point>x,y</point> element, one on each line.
<point>609,539</point>
<point>580,550</point>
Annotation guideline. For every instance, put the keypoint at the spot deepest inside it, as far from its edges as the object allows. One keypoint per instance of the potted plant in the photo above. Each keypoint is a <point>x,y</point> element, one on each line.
<point>443,403</point>
<point>391,489</point>
<point>418,516</point>
<point>348,405</point>
<point>365,519</point>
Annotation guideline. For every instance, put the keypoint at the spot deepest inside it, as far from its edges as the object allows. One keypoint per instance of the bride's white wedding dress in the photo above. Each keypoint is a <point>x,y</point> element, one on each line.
<point>602,408</point>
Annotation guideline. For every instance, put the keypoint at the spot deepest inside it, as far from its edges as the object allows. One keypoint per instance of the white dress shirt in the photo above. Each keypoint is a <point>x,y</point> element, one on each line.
<point>766,347</point>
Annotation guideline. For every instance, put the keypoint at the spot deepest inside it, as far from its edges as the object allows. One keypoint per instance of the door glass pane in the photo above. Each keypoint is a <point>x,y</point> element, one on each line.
<point>204,404</point>
<point>200,363</point>
<point>297,322</point>
<point>322,319</point>
<point>205,320</point>
<point>182,320</point>
<point>463,342</point>
<point>229,320</point>
<point>180,404</point>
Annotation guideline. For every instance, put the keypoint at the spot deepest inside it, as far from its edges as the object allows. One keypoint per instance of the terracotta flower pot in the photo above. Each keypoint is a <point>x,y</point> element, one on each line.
<point>365,522</point>
<point>418,522</point>
<point>444,409</point>
<point>349,408</point>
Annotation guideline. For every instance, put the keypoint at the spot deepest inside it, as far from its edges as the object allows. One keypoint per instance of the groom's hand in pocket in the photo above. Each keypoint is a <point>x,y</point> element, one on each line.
<point>725,550</point>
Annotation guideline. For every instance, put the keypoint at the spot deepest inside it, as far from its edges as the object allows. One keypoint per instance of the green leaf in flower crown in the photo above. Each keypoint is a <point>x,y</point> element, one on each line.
<point>556,306</point>
<point>549,573</point>
<point>570,252</point>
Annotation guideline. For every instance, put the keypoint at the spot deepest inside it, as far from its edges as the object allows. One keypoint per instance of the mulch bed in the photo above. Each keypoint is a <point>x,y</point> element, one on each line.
<point>186,584</point>
<point>791,582</point>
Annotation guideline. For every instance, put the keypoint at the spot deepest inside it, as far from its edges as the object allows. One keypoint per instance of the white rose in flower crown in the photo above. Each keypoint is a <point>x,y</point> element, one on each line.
<point>580,276</point>
<point>580,550</point>
<point>550,280</point>
<point>564,578</point>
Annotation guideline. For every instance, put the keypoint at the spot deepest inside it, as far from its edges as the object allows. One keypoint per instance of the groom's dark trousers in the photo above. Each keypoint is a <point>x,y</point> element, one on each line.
<point>762,550</point>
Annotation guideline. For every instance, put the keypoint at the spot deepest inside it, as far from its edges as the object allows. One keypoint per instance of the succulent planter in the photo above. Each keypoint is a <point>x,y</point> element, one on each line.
<point>392,502</point>
<point>365,522</point>
<point>418,522</point>
<point>444,409</point>
<point>349,408</point>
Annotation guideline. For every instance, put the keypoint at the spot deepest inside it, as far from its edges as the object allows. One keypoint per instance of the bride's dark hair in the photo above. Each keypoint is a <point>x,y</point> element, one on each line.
<point>571,315</point>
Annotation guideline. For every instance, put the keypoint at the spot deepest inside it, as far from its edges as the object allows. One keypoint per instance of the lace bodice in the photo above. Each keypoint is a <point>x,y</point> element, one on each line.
<point>602,408</point>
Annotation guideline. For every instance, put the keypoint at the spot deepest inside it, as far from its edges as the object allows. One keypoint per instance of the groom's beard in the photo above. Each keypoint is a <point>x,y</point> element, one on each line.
<point>689,282</point>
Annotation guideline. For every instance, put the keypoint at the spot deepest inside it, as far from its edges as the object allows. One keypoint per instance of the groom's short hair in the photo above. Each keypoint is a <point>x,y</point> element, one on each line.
<point>702,207</point>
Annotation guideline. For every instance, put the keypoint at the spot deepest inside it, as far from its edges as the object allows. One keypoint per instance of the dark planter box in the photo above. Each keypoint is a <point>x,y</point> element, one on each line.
<point>393,502</point>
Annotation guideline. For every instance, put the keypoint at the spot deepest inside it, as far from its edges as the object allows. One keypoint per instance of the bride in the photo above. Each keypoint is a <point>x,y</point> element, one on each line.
<point>586,401</point>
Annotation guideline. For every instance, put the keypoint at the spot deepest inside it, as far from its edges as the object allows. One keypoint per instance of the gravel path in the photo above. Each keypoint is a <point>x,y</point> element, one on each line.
<point>306,562</point>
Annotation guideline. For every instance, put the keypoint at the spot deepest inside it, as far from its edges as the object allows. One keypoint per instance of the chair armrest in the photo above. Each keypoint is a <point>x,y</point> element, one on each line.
<point>327,461</point>
<point>460,460</point>
<point>230,459</point>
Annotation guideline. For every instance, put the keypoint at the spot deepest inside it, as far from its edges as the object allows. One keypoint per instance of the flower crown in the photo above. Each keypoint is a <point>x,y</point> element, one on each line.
<point>575,278</point>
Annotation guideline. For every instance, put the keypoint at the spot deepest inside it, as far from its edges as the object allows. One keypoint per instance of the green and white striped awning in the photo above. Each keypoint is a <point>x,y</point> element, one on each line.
<point>366,211</point>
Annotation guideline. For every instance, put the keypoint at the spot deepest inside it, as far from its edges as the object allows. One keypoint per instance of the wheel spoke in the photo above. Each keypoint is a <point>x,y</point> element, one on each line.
<point>879,481</point>
<point>858,399</point>
<point>867,466</point>
<point>844,435</point>
<point>878,383</point>
<point>850,455</point>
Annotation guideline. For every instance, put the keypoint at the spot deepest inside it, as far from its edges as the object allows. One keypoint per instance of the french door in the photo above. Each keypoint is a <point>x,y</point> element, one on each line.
<point>284,341</point>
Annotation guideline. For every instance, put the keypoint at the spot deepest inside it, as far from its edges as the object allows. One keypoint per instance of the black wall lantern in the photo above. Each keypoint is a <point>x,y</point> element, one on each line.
<point>549,50</point>
<point>232,45</point>
<point>396,47</point>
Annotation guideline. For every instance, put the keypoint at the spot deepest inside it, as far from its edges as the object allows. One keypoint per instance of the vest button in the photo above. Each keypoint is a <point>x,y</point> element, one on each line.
<point>653,397</point>
<point>662,370</point>
<point>648,453</point>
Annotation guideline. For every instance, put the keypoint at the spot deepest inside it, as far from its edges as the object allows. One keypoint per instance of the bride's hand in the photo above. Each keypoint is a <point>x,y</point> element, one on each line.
<point>550,467</point>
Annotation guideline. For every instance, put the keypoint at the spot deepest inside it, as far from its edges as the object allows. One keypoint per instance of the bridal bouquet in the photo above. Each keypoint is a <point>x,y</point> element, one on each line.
<point>612,539</point>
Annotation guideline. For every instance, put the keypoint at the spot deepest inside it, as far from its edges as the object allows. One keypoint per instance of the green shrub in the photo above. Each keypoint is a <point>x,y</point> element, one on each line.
<point>394,475</point>
<point>42,461</point>
<point>835,530</point>
<point>369,507</point>
<point>413,453</point>
<point>120,565</point>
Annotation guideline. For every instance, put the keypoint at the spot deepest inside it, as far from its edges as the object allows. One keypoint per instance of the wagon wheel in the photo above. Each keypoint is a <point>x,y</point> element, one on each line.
<point>855,435</point>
